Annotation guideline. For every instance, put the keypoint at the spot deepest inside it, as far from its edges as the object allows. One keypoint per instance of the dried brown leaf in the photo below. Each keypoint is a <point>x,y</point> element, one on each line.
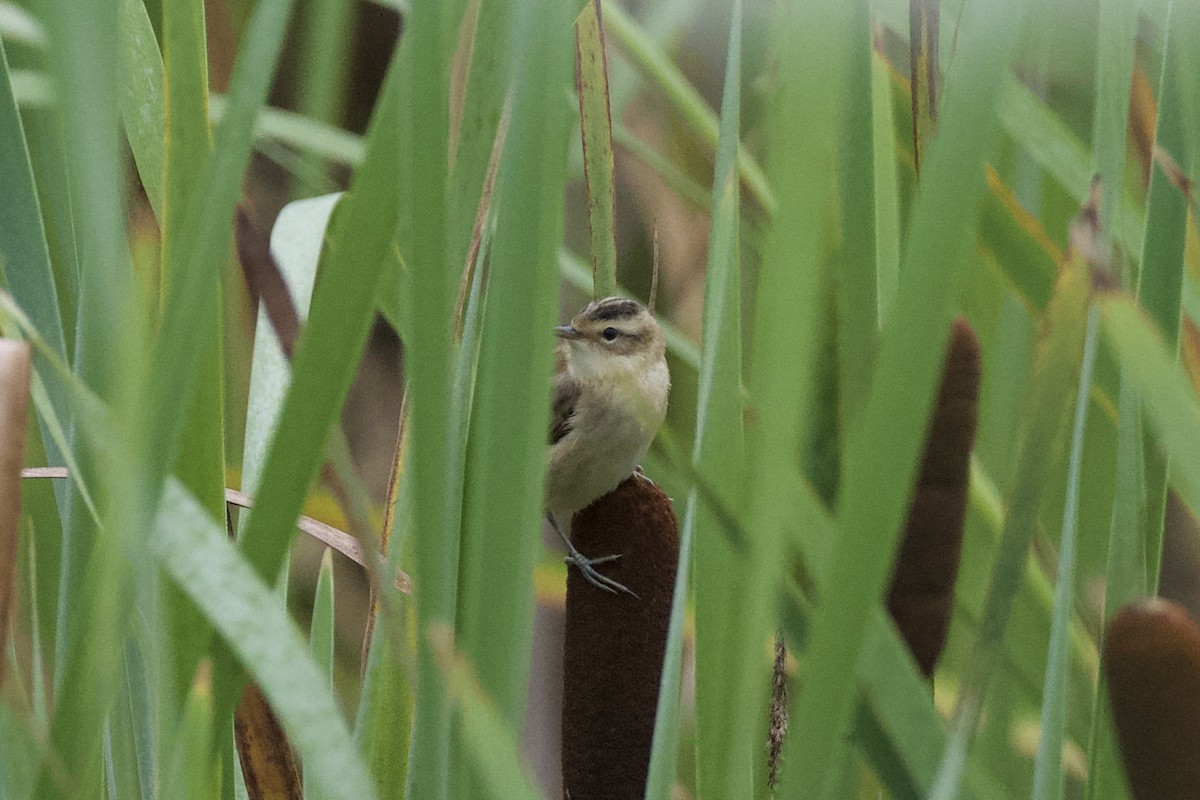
<point>337,539</point>
<point>268,764</point>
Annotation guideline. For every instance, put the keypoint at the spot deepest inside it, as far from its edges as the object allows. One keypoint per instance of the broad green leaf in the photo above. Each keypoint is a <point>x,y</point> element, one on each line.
<point>186,776</point>
<point>194,549</point>
<point>424,131</point>
<point>18,25</point>
<point>1167,398</point>
<point>1050,142</point>
<point>24,255</point>
<point>296,244</point>
<point>923,20</point>
<point>895,724</point>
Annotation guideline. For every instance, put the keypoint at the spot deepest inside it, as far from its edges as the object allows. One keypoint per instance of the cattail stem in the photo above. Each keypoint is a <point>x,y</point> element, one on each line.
<point>614,647</point>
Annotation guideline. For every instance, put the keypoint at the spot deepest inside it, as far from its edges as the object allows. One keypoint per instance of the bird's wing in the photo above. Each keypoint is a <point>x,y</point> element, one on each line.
<point>562,405</point>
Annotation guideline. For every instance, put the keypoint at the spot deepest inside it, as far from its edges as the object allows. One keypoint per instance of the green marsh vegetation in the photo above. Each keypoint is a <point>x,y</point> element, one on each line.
<point>815,253</point>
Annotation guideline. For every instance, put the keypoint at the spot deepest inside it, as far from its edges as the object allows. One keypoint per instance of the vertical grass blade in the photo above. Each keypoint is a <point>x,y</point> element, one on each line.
<point>718,453</point>
<point>1159,282</point>
<point>887,200</point>
<point>506,460</point>
<point>1114,70</point>
<point>142,101</point>
<point>195,259</point>
<point>812,44</point>
<point>857,276</point>
<point>923,25</point>
<point>321,633</point>
<point>479,92</point>
<point>200,464</point>
<point>1125,574</point>
<point>24,255</point>
<point>1125,579</point>
<point>489,739</point>
<point>187,775</point>
<point>327,34</point>
<point>424,165</point>
<point>322,644</point>
<point>91,611</point>
<point>25,269</point>
<point>595,125</point>
<point>1048,769</point>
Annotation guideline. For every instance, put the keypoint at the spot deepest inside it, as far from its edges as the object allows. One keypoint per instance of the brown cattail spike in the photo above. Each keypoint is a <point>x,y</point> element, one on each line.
<point>1152,664</point>
<point>613,653</point>
<point>922,593</point>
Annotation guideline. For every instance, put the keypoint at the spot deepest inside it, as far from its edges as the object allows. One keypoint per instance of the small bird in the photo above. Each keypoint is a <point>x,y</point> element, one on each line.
<point>610,397</point>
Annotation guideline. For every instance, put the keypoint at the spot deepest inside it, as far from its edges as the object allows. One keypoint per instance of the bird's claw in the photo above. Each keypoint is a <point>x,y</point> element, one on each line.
<point>638,473</point>
<point>587,567</point>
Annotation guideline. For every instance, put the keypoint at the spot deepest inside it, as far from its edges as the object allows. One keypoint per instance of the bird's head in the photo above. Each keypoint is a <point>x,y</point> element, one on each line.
<point>612,336</point>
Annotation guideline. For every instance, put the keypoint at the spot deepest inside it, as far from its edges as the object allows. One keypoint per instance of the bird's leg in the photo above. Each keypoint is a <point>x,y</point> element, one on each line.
<point>639,474</point>
<point>587,566</point>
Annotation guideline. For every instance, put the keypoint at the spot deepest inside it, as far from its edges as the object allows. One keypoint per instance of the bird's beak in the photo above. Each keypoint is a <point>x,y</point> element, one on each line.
<point>567,332</point>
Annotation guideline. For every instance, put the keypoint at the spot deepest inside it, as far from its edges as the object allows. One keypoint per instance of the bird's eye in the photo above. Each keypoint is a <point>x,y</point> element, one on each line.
<point>610,333</point>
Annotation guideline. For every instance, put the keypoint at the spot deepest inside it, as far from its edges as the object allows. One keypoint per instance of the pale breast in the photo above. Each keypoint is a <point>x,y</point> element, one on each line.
<point>608,440</point>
